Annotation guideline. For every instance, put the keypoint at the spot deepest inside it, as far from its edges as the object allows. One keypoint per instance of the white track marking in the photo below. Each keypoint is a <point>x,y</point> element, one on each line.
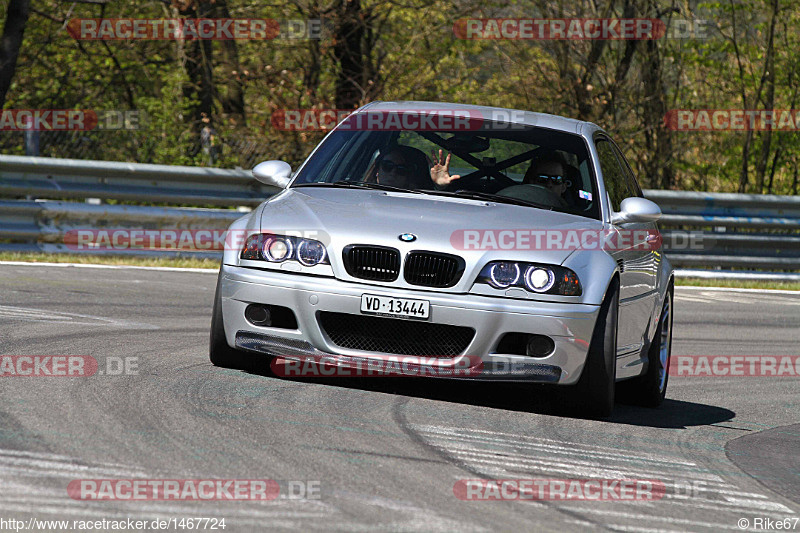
<point>556,449</point>
<point>650,517</point>
<point>573,469</point>
<point>639,529</point>
<point>578,467</point>
<point>737,298</point>
<point>500,454</point>
<point>694,298</point>
<point>27,314</point>
<point>679,288</point>
<point>574,446</point>
<point>23,490</point>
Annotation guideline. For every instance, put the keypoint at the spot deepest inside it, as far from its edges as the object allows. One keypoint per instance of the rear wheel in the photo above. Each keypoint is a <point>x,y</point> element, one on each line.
<point>595,389</point>
<point>650,388</point>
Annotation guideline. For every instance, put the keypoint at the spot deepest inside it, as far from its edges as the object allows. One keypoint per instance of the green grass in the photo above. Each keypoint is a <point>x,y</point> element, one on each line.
<point>39,257</point>
<point>213,265</point>
<point>738,284</point>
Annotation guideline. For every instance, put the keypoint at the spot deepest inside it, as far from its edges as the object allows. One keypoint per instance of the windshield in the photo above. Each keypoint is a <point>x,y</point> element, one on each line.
<point>496,161</point>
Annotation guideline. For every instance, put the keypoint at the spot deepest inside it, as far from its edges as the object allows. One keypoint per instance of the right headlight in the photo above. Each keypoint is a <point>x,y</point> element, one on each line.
<point>279,248</point>
<point>534,277</point>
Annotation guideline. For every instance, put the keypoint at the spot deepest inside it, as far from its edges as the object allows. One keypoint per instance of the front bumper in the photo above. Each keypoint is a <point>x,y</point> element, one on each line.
<point>569,325</point>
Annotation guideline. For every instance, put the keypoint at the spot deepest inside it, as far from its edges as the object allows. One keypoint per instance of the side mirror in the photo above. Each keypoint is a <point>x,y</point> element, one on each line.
<point>636,209</point>
<point>275,173</point>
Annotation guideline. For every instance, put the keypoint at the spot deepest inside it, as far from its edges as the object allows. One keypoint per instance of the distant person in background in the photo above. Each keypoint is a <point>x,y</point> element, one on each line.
<point>209,140</point>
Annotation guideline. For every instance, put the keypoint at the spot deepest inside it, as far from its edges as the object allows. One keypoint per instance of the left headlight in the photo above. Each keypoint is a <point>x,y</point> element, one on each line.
<point>279,248</point>
<point>537,278</point>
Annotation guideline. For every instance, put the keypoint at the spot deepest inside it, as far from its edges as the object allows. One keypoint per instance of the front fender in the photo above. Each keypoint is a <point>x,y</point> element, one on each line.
<point>594,268</point>
<point>238,231</point>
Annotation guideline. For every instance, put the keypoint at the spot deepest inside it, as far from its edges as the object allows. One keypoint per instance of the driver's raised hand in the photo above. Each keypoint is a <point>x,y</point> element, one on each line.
<point>440,169</point>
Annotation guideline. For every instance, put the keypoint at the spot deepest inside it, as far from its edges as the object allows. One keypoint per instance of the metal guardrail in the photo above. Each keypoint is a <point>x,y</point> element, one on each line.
<point>44,177</point>
<point>44,225</point>
<point>722,234</point>
<point>726,231</point>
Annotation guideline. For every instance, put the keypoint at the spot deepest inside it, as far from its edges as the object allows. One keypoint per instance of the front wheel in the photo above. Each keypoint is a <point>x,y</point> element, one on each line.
<point>595,389</point>
<point>219,352</point>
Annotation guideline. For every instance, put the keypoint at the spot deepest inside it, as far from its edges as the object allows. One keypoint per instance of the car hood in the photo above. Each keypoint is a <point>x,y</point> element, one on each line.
<point>463,227</point>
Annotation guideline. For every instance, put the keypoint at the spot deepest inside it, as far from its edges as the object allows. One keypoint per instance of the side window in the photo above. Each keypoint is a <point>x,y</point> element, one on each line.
<point>613,175</point>
<point>632,184</point>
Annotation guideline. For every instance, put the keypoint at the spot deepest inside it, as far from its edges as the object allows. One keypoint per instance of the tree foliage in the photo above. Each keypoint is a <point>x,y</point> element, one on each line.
<point>210,102</point>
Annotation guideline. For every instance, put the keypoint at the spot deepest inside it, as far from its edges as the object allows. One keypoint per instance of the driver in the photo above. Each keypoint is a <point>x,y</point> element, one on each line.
<point>408,168</point>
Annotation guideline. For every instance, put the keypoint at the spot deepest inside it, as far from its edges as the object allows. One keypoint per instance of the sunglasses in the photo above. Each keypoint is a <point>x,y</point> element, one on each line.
<point>554,177</point>
<point>390,166</point>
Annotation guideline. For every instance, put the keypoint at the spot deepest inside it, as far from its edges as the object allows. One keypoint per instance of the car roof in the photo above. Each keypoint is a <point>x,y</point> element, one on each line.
<point>519,116</point>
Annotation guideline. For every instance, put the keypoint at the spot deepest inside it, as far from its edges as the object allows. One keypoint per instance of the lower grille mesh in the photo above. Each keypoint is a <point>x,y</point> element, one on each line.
<point>395,336</point>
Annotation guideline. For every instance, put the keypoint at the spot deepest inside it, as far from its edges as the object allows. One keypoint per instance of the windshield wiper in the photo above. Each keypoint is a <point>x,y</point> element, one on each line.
<point>358,185</point>
<point>475,195</point>
<point>491,197</point>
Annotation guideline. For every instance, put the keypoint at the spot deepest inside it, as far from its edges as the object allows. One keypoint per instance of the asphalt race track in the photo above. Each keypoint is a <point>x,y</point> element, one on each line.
<point>370,454</point>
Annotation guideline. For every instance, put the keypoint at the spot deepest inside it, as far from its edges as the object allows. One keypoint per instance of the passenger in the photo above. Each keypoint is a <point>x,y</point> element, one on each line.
<point>549,173</point>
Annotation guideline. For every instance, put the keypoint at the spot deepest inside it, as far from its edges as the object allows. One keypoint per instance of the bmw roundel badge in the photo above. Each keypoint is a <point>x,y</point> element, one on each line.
<point>407,237</point>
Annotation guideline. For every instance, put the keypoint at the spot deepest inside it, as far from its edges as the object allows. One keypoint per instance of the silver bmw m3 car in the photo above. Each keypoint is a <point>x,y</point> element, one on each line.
<point>500,244</point>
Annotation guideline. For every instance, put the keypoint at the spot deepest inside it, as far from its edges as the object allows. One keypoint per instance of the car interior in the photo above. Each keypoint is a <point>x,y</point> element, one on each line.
<point>493,161</point>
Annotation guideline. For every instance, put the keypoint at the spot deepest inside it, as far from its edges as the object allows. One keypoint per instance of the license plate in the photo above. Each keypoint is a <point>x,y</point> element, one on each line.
<point>395,307</point>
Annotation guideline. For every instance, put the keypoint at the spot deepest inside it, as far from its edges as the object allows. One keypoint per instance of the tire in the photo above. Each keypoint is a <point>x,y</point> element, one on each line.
<point>596,386</point>
<point>650,388</point>
<point>219,352</point>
